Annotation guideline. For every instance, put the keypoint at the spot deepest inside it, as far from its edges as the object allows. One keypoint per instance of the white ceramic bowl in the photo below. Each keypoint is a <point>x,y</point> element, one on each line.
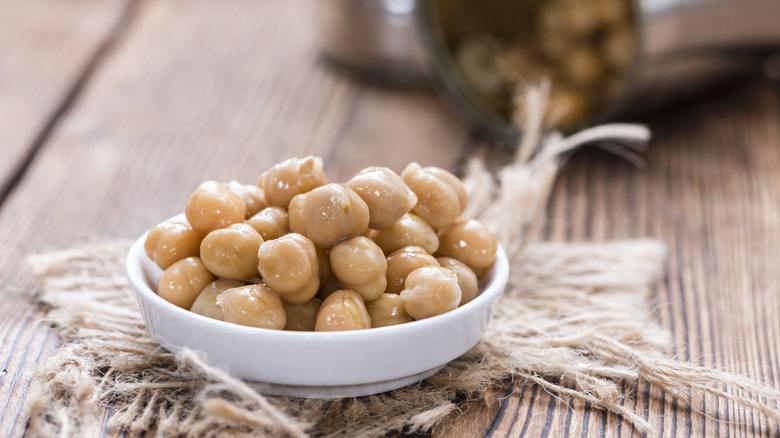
<point>318,364</point>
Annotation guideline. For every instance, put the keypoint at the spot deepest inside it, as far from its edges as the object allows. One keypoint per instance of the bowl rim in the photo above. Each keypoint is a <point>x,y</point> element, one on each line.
<point>493,287</point>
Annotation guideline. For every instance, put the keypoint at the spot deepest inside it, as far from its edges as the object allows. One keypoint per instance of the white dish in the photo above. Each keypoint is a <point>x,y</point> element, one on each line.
<point>318,364</point>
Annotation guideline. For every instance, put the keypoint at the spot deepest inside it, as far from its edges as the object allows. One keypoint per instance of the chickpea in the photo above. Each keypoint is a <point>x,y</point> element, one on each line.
<point>342,310</point>
<point>409,230</point>
<point>518,63</point>
<point>471,243</point>
<point>385,193</point>
<point>467,279</point>
<point>213,206</point>
<point>404,261</point>
<point>581,19</point>
<point>232,252</point>
<point>206,303</point>
<point>552,37</point>
<point>566,108</point>
<point>618,47</point>
<point>170,242</point>
<point>430,291</point>
<point>583,67</point>
<point>291,177</point>
<point>333,212</point>
<point>613,12</point>
<point>270,222</point>
<point>476,63</point>
<point>183,281</point>
<point>289,267</point>
<point>302,317</point>
<point>552,18</point>
<point>387,310</point>
<point>253,197</point>
<point>294,211</point>
<point>304,294</point>
<point>253,305</point>
<point>360,265</point>
<point>441,197</point>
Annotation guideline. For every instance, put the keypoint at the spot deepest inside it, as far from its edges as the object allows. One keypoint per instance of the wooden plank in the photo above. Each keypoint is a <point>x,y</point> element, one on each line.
<point>195,90</point>
<point>45,49</point>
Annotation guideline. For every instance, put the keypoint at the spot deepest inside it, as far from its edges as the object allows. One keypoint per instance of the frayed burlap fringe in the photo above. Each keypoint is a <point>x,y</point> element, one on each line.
<point>107,358</point>
<point>573,319</point>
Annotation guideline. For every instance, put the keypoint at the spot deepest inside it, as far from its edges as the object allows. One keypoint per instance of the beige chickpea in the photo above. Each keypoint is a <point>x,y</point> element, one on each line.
<point>582,19</point>
<point>476,62</point>
<point>302,317</point>
<point>612,12</point>
<point>289,267</point>
<point>170,242</point>
<point>183,281</point>
<point>360,265</point>
<point>430,291</point>
<point>294,211</point>
<point>471,243</point>
<point>583,66</point>
<point>618,47</point>
<point>552,18</point>
<point>232,252</point>
<point>520,64</point>
<point>402,262</point>
<point>513,59</point>
<point>253,305</point>
<point>552,30</point>
<point>409,230</point>
<point>333,212</point>
<point>566,108</point>
<point>467,279</point>
<point>206,303</point>
<point>342,310</point>
<point>253,197</point>
<point>555,47</point>
<point>441,197</point>
<point>304,294</point>
<point>213,206</point>
<point>385,193</point>
<point>291,177</point>
<point>387,310</point>
<point>270,222</point>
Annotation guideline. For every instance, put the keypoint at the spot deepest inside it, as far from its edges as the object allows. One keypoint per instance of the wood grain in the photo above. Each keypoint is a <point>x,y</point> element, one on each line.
<point>196,90</point>
<point>46,49</point>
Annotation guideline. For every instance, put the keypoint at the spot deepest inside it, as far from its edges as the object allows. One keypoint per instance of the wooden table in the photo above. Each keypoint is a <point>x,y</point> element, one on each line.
<point>112,111</point>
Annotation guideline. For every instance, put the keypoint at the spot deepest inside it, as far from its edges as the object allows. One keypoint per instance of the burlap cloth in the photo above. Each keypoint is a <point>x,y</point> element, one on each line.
<point>574,319</point>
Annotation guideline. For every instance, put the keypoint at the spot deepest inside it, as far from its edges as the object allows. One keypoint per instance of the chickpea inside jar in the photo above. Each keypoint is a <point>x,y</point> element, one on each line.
<point>488,52</point>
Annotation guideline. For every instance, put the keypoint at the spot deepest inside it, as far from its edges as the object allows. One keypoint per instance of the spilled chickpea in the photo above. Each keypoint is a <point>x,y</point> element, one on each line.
<point>296,252</point>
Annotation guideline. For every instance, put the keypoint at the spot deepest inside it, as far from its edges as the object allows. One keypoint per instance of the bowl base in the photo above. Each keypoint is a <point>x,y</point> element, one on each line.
<point>342,391</point>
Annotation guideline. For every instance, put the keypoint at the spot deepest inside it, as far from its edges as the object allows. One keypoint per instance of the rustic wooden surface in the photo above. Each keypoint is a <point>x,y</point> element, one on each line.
<point>112,111</point>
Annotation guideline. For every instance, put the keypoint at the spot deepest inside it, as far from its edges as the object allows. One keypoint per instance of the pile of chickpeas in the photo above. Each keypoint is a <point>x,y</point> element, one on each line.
<point>295,252</point>
<point>585,47</point>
